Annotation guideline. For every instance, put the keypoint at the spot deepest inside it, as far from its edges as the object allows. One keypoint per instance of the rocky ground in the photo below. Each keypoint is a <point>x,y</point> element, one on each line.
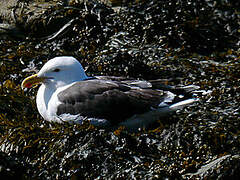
<point>183,42</point>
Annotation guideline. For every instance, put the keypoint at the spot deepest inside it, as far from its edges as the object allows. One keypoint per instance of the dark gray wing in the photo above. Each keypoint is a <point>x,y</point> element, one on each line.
<point>109,100</point>
<point>158,84</point>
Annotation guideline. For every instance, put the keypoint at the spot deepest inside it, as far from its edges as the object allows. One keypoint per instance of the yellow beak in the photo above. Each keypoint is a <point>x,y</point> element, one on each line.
<point>32,81</point>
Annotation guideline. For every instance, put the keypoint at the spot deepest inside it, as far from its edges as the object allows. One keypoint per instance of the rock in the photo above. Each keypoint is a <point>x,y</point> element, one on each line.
<point>20,17</point>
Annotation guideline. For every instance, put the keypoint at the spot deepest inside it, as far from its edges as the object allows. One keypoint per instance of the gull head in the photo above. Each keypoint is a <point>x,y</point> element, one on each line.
<point>57,72</point>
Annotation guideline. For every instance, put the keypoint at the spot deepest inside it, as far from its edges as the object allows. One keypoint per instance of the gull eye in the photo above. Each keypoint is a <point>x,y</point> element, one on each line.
<point>56,70</point>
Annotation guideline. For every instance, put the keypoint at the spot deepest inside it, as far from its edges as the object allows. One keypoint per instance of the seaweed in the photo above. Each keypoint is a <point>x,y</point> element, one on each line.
<point>184,42</point>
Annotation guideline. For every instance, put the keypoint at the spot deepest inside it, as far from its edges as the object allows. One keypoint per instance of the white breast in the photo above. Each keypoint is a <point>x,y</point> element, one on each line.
<point>47,102</point>
<point>42,101</point>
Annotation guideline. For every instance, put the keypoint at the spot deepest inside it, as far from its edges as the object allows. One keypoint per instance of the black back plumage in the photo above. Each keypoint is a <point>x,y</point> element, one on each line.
<point>106,99</point>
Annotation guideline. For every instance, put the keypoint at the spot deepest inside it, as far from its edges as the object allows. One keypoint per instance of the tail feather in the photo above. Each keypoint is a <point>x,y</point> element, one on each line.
<point>146,119</point>
<point>182,104</point>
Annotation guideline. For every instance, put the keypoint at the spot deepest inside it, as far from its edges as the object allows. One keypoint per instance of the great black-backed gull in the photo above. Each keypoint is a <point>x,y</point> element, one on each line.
<point>68,94</point>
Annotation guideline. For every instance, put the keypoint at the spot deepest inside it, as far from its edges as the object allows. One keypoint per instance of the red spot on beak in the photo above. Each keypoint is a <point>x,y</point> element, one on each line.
<point>28,85</point>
